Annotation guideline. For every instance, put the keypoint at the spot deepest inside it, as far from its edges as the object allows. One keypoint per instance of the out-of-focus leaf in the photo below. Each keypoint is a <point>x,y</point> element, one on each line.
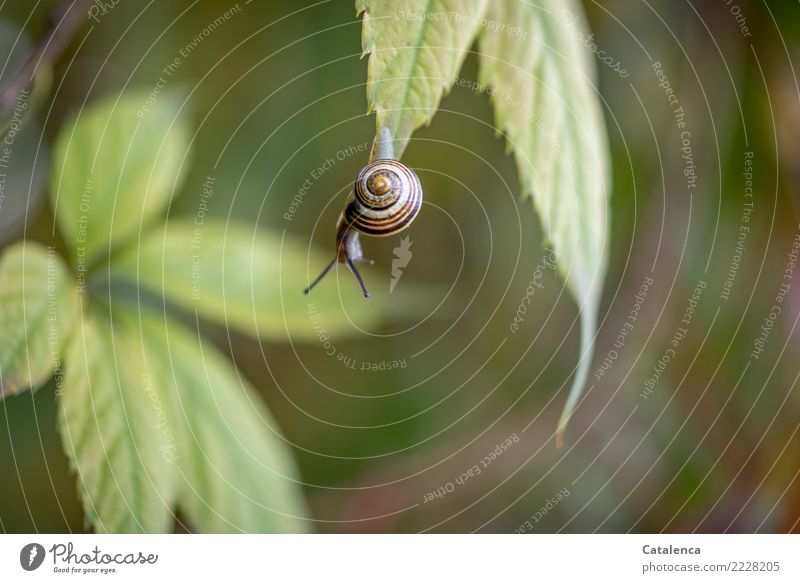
<point>116,429</point>
<point>247,279</point>
<point>36,317</point>
<point>545,103</point>
<point>237,473</point>
<point>416,48</point>
<point>115,167</point>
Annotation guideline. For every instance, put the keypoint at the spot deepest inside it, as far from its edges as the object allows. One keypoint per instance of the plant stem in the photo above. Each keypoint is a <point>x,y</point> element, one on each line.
<point>383,149</point>
<point>64,23</point>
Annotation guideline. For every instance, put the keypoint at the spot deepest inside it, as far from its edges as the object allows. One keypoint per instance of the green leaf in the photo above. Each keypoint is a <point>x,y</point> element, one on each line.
<point>545,103</point>
<point>416,48</point>
<point>247,279</point>
<point>37,316</point>
<point>237,473</point>
<point>116,165</point>
<point>116,431</point>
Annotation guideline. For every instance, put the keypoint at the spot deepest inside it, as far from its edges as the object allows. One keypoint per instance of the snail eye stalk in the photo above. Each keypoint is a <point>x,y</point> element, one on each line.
<point>321,276</point>
<point>355,272</point>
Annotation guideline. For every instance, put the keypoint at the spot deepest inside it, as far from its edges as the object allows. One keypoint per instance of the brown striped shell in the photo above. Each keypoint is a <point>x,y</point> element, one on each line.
<point>386,198</point>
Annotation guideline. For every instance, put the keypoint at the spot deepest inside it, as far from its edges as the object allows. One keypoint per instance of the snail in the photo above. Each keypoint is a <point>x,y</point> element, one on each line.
<point>386,198</point>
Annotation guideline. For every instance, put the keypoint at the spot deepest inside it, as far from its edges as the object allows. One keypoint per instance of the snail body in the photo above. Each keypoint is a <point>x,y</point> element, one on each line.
<point>386,198</point>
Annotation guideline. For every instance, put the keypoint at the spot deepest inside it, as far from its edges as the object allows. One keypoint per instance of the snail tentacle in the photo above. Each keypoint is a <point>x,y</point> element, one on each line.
<point>355,272</point>
<point>321,275</point>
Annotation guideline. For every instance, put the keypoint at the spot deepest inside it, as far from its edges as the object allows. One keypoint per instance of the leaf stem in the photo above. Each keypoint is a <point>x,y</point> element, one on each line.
<point>383,147</point>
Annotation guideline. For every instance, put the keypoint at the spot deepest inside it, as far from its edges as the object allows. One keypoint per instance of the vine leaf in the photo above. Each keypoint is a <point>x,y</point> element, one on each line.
<point>236,470</point>
<point>542,84</point>
<point>37,316</point>
<point>152,421</point>
<point>416,48</point>
<point>546,105</point>
<point>115,429</point>
<point>247,279</point>
<point>115,168</point>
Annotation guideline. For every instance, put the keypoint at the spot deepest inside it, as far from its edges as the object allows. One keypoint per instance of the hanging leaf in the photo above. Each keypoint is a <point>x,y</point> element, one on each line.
<point>545,103</point>
<point>116,431</point>
<point>542,85</point>
<point>116,165</point>
<point>416,48</point>
<point>37,316</point>
<point>237,472</point>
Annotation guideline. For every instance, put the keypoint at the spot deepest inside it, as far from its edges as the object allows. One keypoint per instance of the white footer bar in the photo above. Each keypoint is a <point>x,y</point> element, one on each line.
<point>356,558</point>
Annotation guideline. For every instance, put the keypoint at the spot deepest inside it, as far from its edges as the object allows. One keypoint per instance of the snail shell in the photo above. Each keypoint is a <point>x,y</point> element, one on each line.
<point>386,198</point>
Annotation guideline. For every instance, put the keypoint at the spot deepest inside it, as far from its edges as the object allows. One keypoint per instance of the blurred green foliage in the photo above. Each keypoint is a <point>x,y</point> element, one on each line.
<point>279,89</point>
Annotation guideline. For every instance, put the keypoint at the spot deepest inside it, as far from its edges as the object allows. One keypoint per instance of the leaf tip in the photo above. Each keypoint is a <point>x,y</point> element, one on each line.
<point>560,438</point>
<point>561,428</point>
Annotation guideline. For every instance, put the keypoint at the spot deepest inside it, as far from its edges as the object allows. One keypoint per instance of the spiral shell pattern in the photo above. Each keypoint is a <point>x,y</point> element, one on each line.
<point>386,198</point>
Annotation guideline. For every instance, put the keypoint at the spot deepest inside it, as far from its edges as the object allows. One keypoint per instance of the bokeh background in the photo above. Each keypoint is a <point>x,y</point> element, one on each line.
<point>278,89</point>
